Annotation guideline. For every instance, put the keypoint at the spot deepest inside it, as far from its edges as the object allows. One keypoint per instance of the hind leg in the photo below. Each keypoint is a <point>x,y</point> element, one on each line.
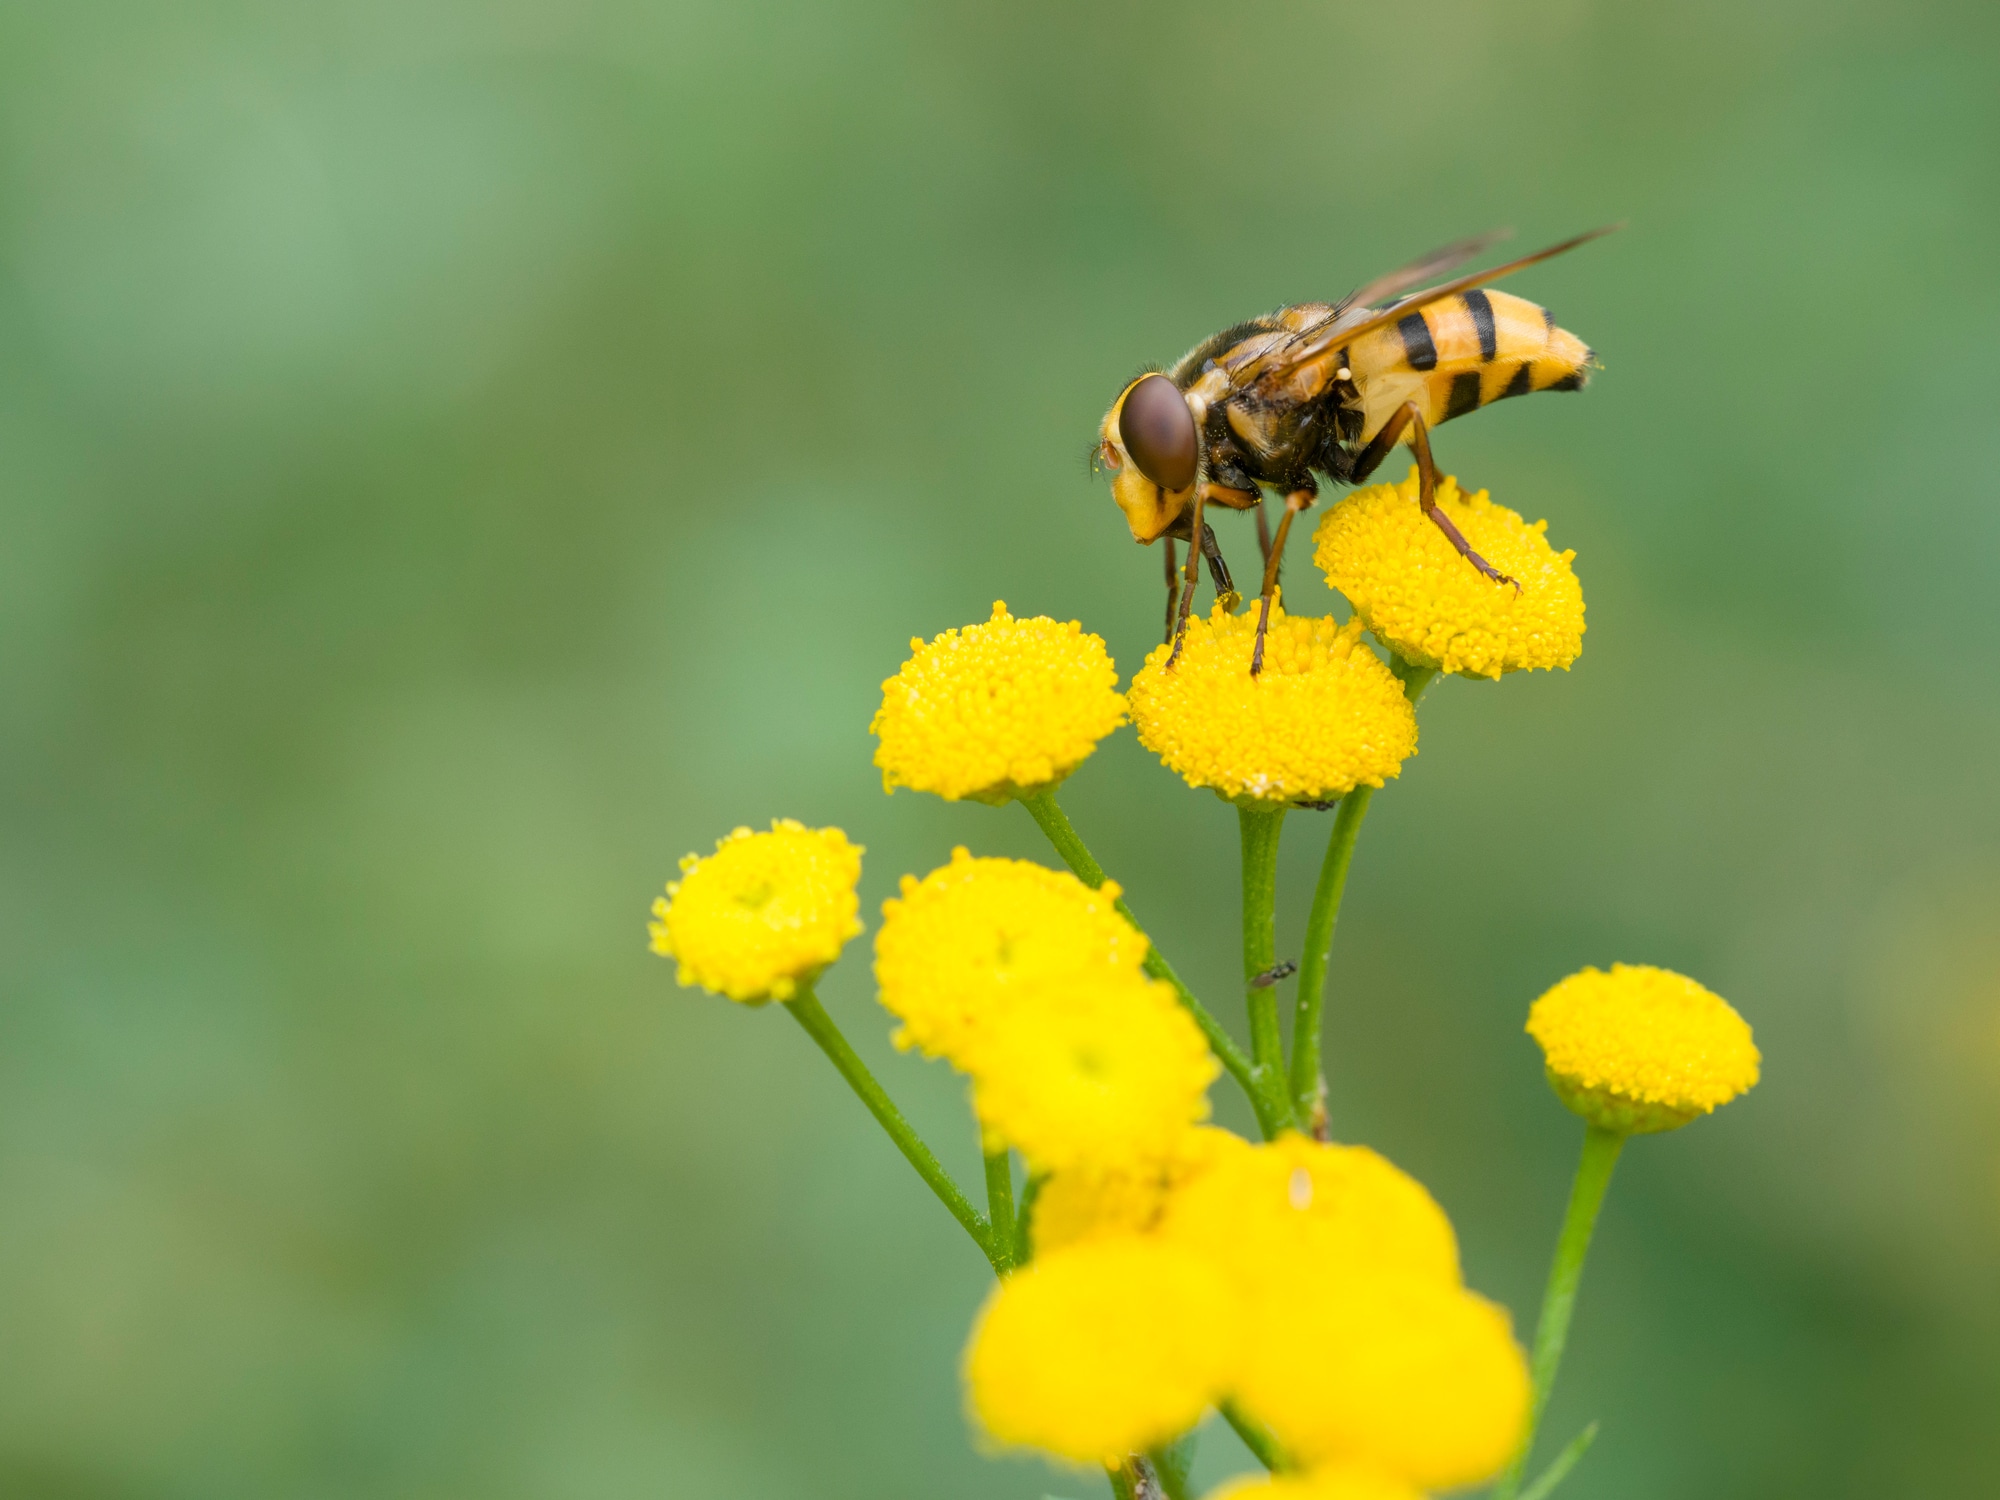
<point>1370,458</point>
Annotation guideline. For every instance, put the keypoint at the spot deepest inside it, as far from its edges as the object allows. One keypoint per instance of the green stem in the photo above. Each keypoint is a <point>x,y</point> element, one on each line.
<point>1308,1084</point>
<point>1260,827</point>
<point>1055,823</point>
<point>1174,1464</point>
<point>1566,1460</point>
<point>1000,1206</point>
<point>1413,678</point>
<point>1309,1005</point>
<point>1586,1196</point>
<point>810,1014</point>
<point>1024,1219</point>
<point>1263,1447</point>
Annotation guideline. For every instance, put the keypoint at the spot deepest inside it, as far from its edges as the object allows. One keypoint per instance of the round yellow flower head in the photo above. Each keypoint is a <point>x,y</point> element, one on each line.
<point>958,944</point>
<point>763,913</point>
<point>1339,1482</point>
<point>1128,1197</point>
<point>1392,1372</point>
<point>1430,606</point>
<point>1076,1075</point>
<point>1102,1350</point>
<point>1293,1200</point>
<point>996,711</point>
<point>1323,717</point>
<point>1642,1049</point>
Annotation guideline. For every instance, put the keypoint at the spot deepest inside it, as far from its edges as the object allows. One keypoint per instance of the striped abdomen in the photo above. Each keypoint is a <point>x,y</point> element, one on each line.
<point>1460,354</point>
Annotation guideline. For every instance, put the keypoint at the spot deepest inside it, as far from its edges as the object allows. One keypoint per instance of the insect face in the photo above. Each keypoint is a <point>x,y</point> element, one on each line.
<point>1149,443</point>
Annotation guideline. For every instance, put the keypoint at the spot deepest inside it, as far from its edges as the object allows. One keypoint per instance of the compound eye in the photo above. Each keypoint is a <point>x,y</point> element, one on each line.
<point>1158,431</point>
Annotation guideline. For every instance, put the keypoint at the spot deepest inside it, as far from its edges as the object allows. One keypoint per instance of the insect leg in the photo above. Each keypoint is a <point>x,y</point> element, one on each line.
<point>1427,497</point>
<point>1173,588</point>
<point>1263,528</point>
<point>1189,579</point>
<point>1218,570</point>
<point>1295,502</point>
<point>1384,443</point>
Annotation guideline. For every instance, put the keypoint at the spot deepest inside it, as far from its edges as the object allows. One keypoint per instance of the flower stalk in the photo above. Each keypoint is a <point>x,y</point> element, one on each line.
<point>1593,1177</point>
<point>1063,837</point>
<point>811,1015</point>
<point>1260,826</point>
<point>1000,1209</point>
<point>1308,1074</point>
<point>1308,1077</point>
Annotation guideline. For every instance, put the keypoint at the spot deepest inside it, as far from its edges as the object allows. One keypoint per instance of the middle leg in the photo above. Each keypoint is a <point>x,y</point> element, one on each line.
<point>1295,502</point>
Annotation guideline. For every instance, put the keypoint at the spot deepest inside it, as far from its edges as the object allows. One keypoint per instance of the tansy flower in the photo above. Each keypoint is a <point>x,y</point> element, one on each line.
<point>1083,1074</point>
<point>1341,1482</point>
<point>763,913</point>
<point>996,711</point>
<point>1125,1197</point>
<point>1299,1203</point>
<point>1642,1049</point>
<point>1323,717</point>
<point>1430,606</point>
<point>956,945</point>
<point>1392,1372</point>
<point>1102,1350</point>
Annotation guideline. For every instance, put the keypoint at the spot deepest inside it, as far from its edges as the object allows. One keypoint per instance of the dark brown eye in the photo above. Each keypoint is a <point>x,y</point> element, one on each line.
<point>1158,431</point>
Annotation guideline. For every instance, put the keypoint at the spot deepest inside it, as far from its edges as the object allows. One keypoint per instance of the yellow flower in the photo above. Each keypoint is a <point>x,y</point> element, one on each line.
<point>1642,1049</point>
<point>1075,1075</point>
<point>763,913</point>
<point>1423,601</point>
<point>1395,1372</point>
<point>1341,1482</point>
<point>1323,717</point>
<point>958,944</point>
<point>1295,1201</point>
<point>1128,1197</point>
<point>996,711</point>
<point>1102,1350</point>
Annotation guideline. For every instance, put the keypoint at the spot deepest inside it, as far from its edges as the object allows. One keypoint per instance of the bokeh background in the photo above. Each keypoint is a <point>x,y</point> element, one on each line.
<point>457,457</point>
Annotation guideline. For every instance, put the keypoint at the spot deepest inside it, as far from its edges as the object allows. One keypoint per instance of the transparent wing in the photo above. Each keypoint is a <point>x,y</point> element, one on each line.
<point>1424,268</point>
<point>1357,319</point>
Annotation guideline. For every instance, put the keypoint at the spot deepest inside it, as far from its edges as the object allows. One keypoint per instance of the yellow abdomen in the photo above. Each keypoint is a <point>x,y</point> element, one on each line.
<point>1458,355</point>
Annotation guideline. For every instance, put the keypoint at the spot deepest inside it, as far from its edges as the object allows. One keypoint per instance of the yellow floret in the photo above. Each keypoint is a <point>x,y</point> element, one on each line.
<point>997,710</point>
<point>1094,1200</point>
<point>1323,717</point>
<point>1641,1049</point>
<point>1340,1482</point>
<point>1075,1075</point>
<point>763,913</point>
<point>1296,1203</point>
<point>1393,1372</point>
<point>958,944</point>
<point>1102,1350</point>
<point>1426,603</point>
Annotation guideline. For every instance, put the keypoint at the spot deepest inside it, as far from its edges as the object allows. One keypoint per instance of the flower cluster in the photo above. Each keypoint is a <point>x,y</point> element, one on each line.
<point>1314,1288</point>
<point>1323,716</point>
<point>1408,584</point>
<point>762,913</point>
<point>1156,1267</point>
<point>992,711</point>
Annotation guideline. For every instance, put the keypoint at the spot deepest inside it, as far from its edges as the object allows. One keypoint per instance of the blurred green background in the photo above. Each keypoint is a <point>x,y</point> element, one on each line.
<point>455,458</point>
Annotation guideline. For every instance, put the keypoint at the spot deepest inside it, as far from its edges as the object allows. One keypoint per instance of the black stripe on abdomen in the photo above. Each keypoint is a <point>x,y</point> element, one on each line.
<point>1482,322</point>
<point>1417,345</point>
<point>1464,395</point>
<point>1522,383</point>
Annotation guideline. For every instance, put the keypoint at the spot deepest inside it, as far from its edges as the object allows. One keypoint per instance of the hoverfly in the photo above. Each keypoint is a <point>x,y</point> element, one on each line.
<point>1324,389</point>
